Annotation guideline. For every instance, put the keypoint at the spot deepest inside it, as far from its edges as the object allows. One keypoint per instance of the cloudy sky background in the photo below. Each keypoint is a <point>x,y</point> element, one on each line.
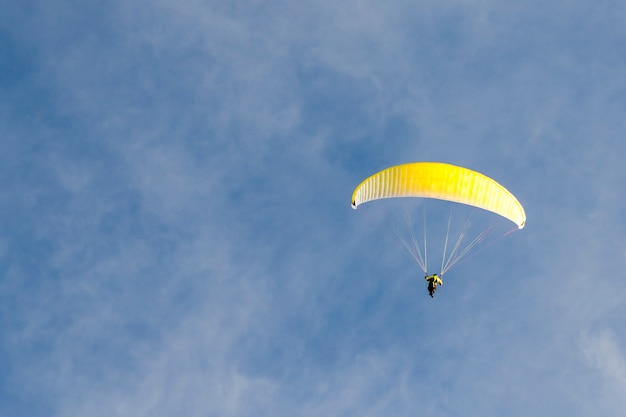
<point>177,237</point>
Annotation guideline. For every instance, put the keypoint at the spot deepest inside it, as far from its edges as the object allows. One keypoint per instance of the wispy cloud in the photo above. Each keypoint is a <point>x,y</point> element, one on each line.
<point>176,230</point>
<point>603,352</point>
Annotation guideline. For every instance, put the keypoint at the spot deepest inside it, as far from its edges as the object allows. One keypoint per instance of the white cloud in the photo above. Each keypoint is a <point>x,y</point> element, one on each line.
<point>603,352</point>
<point>186,246</point>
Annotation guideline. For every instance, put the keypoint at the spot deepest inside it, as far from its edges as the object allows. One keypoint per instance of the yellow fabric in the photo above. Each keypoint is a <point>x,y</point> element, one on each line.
<point>444,182</point>
<point>436,280</point>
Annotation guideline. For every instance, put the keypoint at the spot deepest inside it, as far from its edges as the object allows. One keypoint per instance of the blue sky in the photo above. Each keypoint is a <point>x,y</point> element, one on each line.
<point>177,237</point>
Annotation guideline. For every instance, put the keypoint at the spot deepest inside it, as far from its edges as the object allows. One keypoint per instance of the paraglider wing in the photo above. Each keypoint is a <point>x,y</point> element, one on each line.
<point>444,182</point>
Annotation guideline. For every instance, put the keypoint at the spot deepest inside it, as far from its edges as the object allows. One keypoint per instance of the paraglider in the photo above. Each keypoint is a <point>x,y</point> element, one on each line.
<point>433,281</point>
<point>441,181</point>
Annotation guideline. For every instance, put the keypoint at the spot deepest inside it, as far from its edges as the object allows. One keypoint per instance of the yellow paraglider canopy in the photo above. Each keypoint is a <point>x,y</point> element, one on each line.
<point>444,182</point>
